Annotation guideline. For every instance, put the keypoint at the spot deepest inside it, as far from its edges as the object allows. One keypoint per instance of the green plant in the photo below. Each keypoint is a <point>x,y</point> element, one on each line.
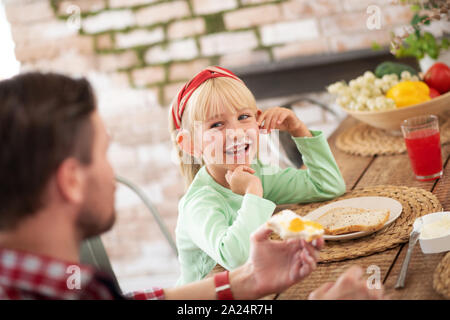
<point>414,42</point>
<point>418,44</point>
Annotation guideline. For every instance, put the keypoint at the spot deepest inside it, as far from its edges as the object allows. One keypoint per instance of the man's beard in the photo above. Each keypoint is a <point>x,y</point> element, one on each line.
<point>91,225</point>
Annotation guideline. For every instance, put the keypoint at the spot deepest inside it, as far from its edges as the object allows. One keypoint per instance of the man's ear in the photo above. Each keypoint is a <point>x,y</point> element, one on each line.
<point>185,142</point>
<point>70,180</point>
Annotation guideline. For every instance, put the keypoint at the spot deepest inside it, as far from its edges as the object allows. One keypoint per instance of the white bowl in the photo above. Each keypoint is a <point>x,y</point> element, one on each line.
<point>433,245</point>
<point>391,119</point>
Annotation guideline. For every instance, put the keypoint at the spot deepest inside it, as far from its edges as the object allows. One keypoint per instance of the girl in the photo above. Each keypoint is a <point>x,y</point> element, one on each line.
<point>215,125</point>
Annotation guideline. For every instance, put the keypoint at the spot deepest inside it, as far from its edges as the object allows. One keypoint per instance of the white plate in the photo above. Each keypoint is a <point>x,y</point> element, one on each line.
<point>394,206</point>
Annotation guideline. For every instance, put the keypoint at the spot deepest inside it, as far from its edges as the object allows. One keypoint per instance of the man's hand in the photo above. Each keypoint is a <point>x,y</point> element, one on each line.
<point>242,181</point>
<point>274,266</point>
<point>349,286</point>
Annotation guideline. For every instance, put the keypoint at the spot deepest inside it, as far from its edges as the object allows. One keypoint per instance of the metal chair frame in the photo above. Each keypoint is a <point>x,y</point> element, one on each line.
<point>152,209</point>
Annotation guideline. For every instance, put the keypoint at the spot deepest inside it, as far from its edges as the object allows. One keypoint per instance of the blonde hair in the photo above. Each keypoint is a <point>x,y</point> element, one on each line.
<point>208,100</point>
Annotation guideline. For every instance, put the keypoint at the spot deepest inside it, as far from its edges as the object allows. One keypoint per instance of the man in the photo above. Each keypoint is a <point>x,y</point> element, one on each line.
<point>58,189</point>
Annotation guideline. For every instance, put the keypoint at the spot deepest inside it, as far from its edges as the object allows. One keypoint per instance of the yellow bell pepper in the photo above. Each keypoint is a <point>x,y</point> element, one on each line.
<point>408,93</point>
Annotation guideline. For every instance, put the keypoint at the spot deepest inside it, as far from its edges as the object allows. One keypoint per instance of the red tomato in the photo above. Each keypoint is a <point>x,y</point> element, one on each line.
<point>438,77</point>
<point>434,93</point>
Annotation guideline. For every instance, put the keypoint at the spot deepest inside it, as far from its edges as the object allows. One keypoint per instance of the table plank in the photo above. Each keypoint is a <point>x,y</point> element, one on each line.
<point>442,189</point>
<point>419,279</point>
<point>329,272</point>
<point>396,170</point>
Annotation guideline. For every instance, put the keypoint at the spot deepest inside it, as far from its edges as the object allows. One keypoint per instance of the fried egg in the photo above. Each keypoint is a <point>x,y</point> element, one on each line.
<point>287,224</point>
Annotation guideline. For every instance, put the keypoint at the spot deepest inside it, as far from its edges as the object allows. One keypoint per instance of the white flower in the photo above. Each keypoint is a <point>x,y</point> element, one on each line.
<point>393,77</point>
<point>385,87</point>
<point>353,84</point>
<point>376,92</point>
<point>380,102</point>
<point>405,75</point>
<point>390,103</point>
<point>343,100</point>
<point>362,99</point>
<point>386,78</point>
<point>360,81</point>
<point>368,75</point>
<point>371,104</point>
<point>336,87</point>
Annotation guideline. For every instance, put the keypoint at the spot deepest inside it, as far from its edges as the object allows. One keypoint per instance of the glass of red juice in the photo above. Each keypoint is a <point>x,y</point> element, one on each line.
<point>423,142</point>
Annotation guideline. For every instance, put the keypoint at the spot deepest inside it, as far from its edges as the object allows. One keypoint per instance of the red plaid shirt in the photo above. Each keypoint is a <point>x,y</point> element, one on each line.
<point>30,276</point>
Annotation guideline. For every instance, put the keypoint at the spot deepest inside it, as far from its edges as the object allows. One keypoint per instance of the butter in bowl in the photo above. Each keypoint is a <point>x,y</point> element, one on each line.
<point>435,232</point>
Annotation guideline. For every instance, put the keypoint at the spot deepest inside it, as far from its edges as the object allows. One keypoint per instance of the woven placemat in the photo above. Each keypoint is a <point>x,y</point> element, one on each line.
<point>416,202</point>
<point>441,278</point>
<point>365,140</point>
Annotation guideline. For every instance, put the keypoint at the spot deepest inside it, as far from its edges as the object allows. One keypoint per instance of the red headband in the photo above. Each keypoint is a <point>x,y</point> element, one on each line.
<point>189,88</point>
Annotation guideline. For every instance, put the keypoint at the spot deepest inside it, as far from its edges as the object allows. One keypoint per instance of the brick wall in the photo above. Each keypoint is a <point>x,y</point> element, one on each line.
<point>137,53</point>
<point>159,44</point>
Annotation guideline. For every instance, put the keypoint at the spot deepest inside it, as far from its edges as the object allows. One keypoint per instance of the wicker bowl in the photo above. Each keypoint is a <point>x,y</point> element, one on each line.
<point>391,119</point>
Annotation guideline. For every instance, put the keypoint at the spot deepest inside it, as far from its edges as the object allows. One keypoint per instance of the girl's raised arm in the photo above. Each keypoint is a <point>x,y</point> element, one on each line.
<point>321,180</point>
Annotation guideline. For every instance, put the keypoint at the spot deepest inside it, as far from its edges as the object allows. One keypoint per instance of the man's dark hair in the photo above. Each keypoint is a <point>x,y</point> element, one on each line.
<point>44,119</point>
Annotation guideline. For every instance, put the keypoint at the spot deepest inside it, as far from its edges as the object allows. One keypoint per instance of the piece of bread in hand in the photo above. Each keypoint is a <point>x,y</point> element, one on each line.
<point>346,220</point>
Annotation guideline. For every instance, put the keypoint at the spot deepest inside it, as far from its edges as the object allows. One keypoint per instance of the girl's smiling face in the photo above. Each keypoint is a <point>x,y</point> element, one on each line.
<point>218,127</point>
<point>230,138</point>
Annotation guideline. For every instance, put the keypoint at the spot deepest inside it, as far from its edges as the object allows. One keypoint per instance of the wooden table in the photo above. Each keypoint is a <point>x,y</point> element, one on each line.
<point>360,172</point>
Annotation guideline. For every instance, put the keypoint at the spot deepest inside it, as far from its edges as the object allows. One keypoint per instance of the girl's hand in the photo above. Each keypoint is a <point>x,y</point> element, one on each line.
<point>283,119</point>
<point>242,181</point>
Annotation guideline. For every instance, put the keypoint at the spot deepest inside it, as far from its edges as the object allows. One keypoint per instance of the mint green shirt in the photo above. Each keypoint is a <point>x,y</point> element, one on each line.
<point>214,224</point>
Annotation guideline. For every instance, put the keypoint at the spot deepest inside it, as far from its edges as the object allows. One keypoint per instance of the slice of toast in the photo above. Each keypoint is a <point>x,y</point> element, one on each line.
<point>346,220</point>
